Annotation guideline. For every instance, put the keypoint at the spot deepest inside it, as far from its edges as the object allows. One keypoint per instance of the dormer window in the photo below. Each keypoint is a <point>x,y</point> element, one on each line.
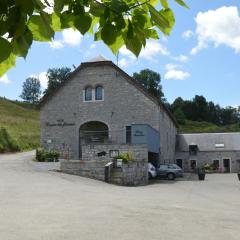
<point>99,93</point>
<point>88,94</point>
<point>193,149</point>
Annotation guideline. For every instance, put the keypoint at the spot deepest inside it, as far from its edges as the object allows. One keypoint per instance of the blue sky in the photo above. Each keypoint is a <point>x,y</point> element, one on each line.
<point>201,56</point>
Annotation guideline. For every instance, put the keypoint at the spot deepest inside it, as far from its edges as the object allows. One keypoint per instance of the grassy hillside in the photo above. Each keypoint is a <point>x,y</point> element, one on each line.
<point>21,122</point>
<point>201,127</point>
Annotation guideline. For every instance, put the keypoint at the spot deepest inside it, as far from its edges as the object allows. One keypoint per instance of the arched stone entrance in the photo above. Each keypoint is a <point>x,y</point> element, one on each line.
<point>93,132</point>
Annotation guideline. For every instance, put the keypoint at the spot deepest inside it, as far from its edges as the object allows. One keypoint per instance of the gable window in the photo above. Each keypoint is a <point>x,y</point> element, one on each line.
<point>88,94</point>
<point>99,93</point>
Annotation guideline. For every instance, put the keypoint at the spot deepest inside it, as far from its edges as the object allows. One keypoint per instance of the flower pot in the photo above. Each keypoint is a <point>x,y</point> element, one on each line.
<point>201,176</point>
<point>239,176</point>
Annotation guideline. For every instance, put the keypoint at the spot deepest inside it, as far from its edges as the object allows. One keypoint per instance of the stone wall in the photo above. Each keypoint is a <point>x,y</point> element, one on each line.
<point>208,157</point>
<point>123,105</point>
<point>133,173</point>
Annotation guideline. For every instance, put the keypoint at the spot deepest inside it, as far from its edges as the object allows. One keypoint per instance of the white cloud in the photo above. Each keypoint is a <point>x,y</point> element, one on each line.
<point>43,79</point>
<point>151,51</point>
<point>174,73</point>
<point>56,44</point>
<point>69,37</point>
<point>220,27</point>
<point>124,62</point>
<point>92,46</point>
<point>4,79</point>
<point>187,34</point>
<point>181,58</point>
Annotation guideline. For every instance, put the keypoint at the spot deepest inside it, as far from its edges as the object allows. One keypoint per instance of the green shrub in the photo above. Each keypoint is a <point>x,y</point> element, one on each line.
<point>7,143</point>
<point>126,157</point>
<point>43,155</point>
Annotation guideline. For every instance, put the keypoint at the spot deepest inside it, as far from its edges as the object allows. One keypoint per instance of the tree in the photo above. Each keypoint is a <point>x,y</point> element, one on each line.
<point>31,90</point>
<point>150,80</point>
<point>179,116</point>
<point>56,76</point>
<point>116,23</point>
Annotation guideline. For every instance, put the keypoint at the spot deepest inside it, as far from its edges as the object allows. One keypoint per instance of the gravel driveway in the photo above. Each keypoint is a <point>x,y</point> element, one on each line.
<point>36,203</point>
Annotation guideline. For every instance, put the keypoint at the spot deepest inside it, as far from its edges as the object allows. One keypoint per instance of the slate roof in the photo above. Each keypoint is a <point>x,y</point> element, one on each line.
<point>209,141</point>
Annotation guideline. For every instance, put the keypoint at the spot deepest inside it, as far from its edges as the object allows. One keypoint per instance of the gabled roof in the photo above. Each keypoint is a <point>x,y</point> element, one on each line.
<point>101,61</point>
<point>209,141</point>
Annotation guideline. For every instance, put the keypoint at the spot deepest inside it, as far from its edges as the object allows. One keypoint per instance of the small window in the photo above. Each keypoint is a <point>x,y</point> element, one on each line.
<point>193,164</point>
<point>99,93</point>
<point>88,94</point>
<point>193,149</point>
<point>128,134</point>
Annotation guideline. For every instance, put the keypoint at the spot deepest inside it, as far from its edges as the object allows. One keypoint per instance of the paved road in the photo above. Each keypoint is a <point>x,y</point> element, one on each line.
<point>39,204</point>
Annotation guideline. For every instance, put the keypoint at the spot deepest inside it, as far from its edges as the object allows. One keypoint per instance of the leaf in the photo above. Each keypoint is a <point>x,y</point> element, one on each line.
<point>83,23</point>
<point>58,5</point>
<point>40,28</point>
<point>164,3</point>
<point>158,18</point>
<point>96,9</point>
<point>117,44</point>
<point>56,23</point>
<point>26,6</point>
<point>134,45</point>
<point>67,20</point>
<point>95,20</point>
<point>182,3</point>
<point>119,6</point>
<point>168,14</point>
<point>153,2</point>
<point>6,49</point>
<point>7,64</point>
<point>151,33</point>
<point>22,44</point>
<point>108,34</point>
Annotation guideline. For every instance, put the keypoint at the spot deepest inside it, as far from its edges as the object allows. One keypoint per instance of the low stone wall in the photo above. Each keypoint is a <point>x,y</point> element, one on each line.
<point>133,173</point>
<point>91,169</point>
<point>93,166</point>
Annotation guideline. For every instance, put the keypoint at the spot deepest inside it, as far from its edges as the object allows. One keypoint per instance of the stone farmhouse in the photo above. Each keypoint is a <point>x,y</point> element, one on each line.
<point>100,112</point>
<point>222,150</point>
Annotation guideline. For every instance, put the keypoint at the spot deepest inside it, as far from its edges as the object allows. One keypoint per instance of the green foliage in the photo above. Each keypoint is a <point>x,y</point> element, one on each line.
<point>7,143</point>
<point>56,76</point>
<point>200,110</point>
<point>126,157</point>
<point>151,81</point>
<point>129,22</point>
<point>43,155</point>
<point>201,127</point>
<point>179,116</point>
<point>31,91</point>
<point>21,120</point>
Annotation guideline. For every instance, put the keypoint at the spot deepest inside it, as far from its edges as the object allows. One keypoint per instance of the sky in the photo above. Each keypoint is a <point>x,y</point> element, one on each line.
<point>201,56</point>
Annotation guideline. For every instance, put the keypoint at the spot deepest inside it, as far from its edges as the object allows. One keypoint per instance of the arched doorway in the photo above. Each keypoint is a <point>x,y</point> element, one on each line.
<point>93,132</point>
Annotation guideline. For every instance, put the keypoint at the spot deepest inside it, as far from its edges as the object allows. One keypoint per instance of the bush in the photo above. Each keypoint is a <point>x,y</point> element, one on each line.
<point>7,143</point>
<point>43,155</point>
<point>126,157</point>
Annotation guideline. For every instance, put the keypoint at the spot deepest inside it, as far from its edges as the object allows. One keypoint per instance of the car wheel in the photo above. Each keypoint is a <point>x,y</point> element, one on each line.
<point>150,176</point>
<point>170,176</point>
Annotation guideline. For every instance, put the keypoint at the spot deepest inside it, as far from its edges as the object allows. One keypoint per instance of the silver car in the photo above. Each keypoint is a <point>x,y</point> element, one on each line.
<point>169,171</point>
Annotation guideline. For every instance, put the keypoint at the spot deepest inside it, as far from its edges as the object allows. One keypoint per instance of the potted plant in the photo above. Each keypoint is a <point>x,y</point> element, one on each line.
<point>201,174</point>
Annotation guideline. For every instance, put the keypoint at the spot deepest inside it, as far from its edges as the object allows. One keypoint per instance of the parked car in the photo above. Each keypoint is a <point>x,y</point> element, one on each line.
<point>152,172</point>
<point>169,171</point>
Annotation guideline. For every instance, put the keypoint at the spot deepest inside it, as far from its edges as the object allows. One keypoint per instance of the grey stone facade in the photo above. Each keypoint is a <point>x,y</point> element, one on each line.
<point>130,174</point>
<point>124,104</point>
<point>218,147</point>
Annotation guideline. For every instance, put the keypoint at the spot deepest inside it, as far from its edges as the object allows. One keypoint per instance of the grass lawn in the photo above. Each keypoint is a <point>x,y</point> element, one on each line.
<point>22,123</point>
